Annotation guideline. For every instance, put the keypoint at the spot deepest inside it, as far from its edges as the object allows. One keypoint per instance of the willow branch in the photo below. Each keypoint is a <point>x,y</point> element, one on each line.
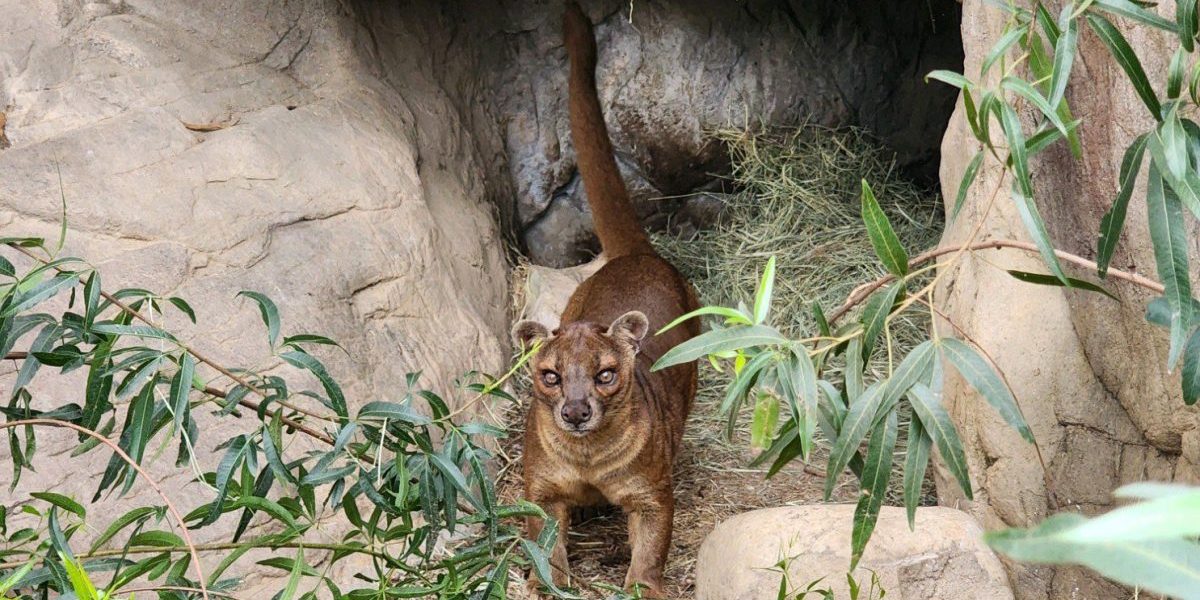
<point>183,530</point>
<point>246,402</point>
<point>861,293</point>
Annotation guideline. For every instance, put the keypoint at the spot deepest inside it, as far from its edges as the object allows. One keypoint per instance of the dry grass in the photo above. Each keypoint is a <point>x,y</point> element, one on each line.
<point>799,201</point>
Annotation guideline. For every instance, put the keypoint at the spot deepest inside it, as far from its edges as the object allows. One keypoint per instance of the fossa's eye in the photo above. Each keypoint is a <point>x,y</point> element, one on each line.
<point>606,377</point>
<point>550,378</point>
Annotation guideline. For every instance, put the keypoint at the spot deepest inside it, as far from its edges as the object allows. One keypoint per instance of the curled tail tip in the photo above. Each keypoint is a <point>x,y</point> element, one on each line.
<point>577,32</point>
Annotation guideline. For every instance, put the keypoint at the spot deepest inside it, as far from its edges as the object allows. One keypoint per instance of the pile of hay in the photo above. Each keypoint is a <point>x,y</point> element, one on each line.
<point>798,199</point>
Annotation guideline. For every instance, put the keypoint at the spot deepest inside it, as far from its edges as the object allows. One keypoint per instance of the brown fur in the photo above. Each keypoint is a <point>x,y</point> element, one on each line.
<point>623,453</point>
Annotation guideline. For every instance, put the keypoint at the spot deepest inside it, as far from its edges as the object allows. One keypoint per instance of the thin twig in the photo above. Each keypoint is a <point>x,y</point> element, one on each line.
<point>187,537</point>
<point>216,366</point>
<point>863,291</point>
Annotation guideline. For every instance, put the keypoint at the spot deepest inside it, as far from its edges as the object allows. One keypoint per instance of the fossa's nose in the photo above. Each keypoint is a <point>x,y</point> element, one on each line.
<point>576,413</point>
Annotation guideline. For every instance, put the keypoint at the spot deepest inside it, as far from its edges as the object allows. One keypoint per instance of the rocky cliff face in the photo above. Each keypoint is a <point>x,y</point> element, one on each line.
<point>1089,372</point>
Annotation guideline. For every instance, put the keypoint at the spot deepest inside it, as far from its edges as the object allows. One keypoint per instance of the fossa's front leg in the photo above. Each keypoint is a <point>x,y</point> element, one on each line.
<point>650,525</point>
<point>558,557</point>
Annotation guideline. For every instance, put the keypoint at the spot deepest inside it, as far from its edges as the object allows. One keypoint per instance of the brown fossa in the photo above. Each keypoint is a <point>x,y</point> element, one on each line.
<point>602,427</point>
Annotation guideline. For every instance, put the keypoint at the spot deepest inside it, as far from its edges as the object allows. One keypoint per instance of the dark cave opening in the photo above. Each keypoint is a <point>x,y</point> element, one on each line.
<point>670,73</point>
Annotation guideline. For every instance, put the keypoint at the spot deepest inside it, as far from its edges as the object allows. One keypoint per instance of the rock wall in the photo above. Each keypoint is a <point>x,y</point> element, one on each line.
<point>343,180</point>
<point>1089,372</point>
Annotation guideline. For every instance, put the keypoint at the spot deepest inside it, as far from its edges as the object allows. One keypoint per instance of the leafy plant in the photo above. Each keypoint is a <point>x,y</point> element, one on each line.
<point>1151,544</point>
<point>855,410</point>
<point>406,477</point>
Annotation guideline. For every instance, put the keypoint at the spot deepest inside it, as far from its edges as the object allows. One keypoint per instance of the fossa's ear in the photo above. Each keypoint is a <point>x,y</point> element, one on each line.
<point>630,328</point>
<point>526,333</point>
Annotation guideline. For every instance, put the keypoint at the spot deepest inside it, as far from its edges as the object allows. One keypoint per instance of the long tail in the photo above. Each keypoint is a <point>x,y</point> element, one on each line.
<point>615,220</point>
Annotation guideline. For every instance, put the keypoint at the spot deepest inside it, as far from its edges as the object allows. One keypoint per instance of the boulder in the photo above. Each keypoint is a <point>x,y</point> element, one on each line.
<point>943,559</point>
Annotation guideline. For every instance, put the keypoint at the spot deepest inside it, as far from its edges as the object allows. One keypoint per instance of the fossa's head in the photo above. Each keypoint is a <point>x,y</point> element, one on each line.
<point>583,370</point>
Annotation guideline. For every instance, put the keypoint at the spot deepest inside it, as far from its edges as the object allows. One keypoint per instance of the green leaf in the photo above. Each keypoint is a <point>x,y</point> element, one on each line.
<point>1064,55</point>
<point>968,178</point>
<point>268,506</point>
<point>875,314</point>
<point>1119,47</point>
<point>854,370</point>
<point>58,541</point>
<point>1175,74</point>
<point>164,539</point>
<point>1001,47</point>
<point>1191,369</point>
<point>306,361</point>
<point>1168,150</point>
<point>854,428</point>
<point>766,417</point>
<point>293,582</point>
<point>803,385</point>
<point>1169,239</point>
<point>181,387</point>
<point>1028,210</point>
<point>949,77</point>
<point>141,331</point>
<point>741,385</point>
<point>183,307</point>
<point>883,237</point>
<point>393,412</point>
<point>935,420</point>
<point>1113,221</point>
<point>916,461</point>
<point>1049,27</point>
<point>541,567</point>
<point>915,367</point>
<point>82,586</point>
<point>1165,567</point>
<point>1042,279</point>
<point>39,293</point>
<point>297,340</point>
<point>876,472</point>
<point>269,312</point>
<point>819,318</point>
<point>15,578</point>
<point>1026,91</point>
<point>1185,19</point>
<point>136,515</point>
<point>62,502</point>
<point>720,340</point>
<point>229,463</point>
<point>1128,9</point>
<point>977,372</point>
<point>1167,517</point>
<point>762,297</point>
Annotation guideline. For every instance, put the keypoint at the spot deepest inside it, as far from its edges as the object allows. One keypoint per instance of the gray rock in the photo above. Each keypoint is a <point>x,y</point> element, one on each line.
<point>943,559</point>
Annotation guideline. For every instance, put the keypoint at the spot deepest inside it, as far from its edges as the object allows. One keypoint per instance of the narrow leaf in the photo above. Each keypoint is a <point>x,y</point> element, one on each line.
<point>1113,221</point>
<point>977,372</point>
<point>883,237</point>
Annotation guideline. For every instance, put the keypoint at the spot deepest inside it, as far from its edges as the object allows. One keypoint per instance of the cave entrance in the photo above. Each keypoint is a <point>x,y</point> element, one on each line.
<point>673,73</point>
